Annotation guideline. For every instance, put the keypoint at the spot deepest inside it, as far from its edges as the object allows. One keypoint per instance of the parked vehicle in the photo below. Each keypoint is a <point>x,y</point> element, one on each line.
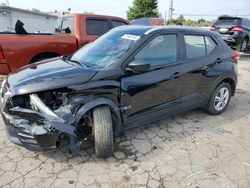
<point>148,21</point>
<point>128,77</point>
<point>235,31</point>
<point>73,32</point>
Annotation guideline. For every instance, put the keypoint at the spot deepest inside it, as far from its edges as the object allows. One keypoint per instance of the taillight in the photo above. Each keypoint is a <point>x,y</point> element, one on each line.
<point>237,29</point>
<point>235,56</point>
<point>1,53</point>
<point>212,28</point>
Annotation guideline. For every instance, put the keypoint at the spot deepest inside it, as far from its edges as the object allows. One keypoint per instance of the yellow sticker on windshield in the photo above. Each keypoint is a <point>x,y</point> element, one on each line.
<point>131,37</point>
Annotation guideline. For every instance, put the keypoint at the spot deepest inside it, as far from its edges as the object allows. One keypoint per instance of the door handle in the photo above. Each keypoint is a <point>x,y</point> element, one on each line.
<point>176,75</point>
<point>218,60</point>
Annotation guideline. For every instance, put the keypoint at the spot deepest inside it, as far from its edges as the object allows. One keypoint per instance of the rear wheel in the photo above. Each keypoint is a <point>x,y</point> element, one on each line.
<point>242,46</point>
<point>219,99</point>
<point>103,131</point>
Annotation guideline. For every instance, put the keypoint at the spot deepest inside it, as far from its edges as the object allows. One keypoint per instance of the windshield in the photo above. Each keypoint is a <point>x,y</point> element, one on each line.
<point>106,50</point>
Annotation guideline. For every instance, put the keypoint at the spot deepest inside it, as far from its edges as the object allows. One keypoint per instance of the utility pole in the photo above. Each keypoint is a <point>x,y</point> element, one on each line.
<point>171,10</point>
<point>8,3</point>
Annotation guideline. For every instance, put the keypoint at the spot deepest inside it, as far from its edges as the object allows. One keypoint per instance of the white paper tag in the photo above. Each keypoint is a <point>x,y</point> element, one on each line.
<point>131,37</point>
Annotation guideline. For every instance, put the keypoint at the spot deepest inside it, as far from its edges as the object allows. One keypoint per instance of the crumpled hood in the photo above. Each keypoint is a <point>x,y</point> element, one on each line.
<point>46,75</point>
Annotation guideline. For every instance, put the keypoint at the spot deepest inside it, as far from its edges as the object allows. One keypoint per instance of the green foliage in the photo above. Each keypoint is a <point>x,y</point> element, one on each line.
<point>188,22</point>
<point>143,9</point>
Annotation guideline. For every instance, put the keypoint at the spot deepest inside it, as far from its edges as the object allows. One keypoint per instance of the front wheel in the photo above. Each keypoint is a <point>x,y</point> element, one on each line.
<point>103,131</point>
<point>219,99</point>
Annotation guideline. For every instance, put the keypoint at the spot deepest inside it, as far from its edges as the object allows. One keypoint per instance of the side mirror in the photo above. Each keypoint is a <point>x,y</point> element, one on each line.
<point>139,66</point>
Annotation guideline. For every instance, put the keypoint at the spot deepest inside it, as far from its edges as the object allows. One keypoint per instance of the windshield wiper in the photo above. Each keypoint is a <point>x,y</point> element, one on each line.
<point>74,61</point>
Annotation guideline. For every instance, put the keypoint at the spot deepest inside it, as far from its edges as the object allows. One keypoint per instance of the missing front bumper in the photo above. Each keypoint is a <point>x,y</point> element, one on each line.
<point>37,129</point>
<point>29,135</point>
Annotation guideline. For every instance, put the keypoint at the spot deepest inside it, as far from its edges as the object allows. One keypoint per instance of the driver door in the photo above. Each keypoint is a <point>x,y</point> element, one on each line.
<point>157,92</point>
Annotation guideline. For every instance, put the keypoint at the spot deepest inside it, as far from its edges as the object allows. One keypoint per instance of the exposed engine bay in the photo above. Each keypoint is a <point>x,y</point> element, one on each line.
<point>45,117</point>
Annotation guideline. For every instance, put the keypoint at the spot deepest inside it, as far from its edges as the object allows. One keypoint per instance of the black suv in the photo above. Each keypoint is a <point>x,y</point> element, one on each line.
<point>130,76</point>
<point>235,31</point>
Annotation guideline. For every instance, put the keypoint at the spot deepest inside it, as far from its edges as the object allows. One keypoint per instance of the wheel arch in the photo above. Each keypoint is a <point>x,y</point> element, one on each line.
<point>231,82</point>
<point>99,102</point>
<point>227,78</point>
<point>44,55</point>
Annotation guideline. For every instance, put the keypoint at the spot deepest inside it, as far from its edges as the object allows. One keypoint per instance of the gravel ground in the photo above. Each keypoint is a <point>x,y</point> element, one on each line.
<point>190,150</point>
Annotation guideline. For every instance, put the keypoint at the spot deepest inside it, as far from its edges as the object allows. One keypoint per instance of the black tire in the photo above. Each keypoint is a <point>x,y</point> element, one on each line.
<point>103,131</point>
<point>210,108</point>
<point>241,46</point>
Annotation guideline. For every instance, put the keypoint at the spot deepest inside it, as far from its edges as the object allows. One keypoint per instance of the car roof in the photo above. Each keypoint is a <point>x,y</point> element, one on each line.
<point>152,29</point>
<point>230,17</point>
<point>96,16</point>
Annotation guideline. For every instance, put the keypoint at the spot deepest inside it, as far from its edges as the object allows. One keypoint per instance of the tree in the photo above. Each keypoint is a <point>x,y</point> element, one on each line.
<point>201,22</point>
<point>188,22</point>
<point>180,20</point>
<point>143,9</point>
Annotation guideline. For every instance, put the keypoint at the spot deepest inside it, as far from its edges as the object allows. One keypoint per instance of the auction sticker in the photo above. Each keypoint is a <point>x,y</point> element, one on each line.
<point>131,37</point>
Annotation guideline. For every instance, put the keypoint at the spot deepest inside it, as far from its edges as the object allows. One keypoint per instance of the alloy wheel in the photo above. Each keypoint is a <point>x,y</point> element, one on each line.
<point>221,99</point>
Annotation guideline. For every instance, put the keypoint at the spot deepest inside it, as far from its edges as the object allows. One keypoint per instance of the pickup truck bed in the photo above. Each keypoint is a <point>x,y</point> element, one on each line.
<point>29,48</point>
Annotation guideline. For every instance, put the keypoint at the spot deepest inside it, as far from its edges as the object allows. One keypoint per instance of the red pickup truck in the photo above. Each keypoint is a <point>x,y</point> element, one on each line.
<point>72,32</point>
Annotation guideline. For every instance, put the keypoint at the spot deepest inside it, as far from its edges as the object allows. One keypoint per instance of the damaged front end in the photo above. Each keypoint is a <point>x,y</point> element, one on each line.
<point>37,121</point>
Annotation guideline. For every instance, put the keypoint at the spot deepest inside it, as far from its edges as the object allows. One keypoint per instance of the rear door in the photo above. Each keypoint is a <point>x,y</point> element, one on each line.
<point>149,95</point>
<point>202,66</point>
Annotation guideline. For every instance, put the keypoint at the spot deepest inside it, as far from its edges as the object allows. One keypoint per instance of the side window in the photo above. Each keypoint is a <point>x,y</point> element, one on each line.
<point>210,44</point>
<point>195,46</point>
<point>159,51</point>
<point>118,23</point>
<point>97,27</point>
<point>68,25</point>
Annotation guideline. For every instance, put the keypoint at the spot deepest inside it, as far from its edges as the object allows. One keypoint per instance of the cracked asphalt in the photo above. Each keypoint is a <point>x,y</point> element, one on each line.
<point>189,150</point>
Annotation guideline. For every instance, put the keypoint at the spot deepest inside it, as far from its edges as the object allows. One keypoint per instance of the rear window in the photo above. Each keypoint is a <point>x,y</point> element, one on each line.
<point>198,46</point>
<point>228,21</point>
<point>195,46</point>
<point>97,27</point>
<point>210,44</point>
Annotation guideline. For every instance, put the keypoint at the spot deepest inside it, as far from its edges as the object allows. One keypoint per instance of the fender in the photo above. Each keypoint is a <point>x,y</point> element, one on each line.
<point>97,102</point>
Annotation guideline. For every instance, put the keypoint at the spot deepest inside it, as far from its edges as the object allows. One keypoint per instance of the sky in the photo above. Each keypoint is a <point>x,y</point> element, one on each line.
<point>193,9</point>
